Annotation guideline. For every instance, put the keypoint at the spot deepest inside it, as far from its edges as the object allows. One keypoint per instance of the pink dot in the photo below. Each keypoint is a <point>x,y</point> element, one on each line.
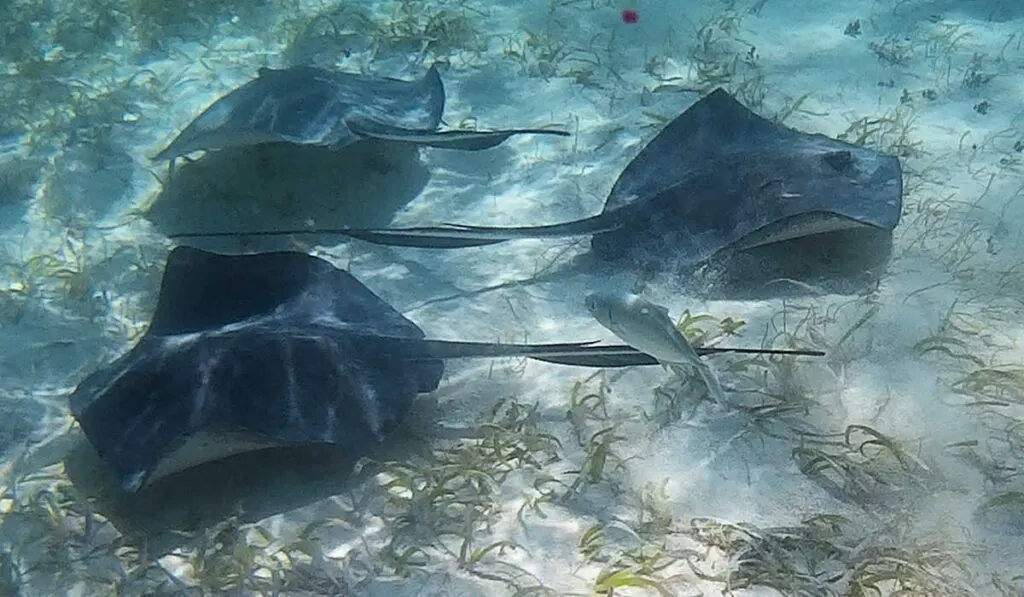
<point>630,16</point>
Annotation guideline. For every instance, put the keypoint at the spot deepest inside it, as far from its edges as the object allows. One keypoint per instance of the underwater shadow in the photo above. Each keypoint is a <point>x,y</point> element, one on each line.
<point>279,185</point>
<point>848,262</point>
<point>998,11</point>
<point>19,177</point>
<point>251,486</point>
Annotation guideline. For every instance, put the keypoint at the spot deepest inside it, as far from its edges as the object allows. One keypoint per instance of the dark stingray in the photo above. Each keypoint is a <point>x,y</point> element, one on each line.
<point>718,178</point>
<point>252,351</point>
<point>305,105</point>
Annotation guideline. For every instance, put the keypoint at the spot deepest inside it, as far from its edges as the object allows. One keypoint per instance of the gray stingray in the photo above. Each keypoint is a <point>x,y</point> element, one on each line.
<point>307,105</point>
<point>718,178</point>
<point>246,352</point>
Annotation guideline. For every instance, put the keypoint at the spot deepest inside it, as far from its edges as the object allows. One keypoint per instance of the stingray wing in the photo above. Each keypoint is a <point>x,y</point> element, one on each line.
<point>201,291</point>
<point>297,105</point>
<point>696,139</point>
<point>308,106</point>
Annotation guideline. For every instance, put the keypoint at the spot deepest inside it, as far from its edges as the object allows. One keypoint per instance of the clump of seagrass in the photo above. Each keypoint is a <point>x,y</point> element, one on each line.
<point>53,543</point>
<point>830,555</point>
<point>437,28</point>
<point>867,468</point>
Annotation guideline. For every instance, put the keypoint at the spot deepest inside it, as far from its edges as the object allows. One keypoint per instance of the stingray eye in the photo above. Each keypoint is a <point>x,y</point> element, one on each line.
<point>840,161</point>
<point>590,303</point>
<point>645,311</point>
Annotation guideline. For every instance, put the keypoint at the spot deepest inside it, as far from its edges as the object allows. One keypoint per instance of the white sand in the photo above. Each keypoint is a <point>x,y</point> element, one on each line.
<point>955,273</point>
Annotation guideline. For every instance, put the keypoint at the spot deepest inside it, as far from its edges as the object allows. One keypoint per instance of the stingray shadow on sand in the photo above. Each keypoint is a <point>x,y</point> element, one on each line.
<point>726,197</point>
<point>250,486</point>
<point>273,184</point>
<point>308,147</point>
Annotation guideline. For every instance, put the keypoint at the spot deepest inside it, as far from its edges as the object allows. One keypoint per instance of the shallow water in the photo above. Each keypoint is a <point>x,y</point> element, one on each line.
<point>893,462</point>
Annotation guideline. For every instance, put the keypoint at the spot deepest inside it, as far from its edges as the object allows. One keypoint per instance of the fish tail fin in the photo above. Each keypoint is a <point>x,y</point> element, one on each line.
<point>714,385</point>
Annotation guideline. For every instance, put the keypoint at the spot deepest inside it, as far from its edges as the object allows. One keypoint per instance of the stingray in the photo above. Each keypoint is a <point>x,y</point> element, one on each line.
<point>719,178</point>
<point>306,105</point>
<point>246,352</point>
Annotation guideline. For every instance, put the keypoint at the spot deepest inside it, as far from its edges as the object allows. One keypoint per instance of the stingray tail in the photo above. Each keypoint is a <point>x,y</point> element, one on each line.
<point>450,236</point>
<point>627,356</point>
<point>578,354</point>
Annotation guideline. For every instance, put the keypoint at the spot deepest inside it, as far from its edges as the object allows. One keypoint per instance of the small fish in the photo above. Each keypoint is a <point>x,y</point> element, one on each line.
<point>648,328</point>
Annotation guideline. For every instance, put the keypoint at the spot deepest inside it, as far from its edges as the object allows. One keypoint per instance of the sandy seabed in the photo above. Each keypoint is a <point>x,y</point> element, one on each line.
<point>890,467</point>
